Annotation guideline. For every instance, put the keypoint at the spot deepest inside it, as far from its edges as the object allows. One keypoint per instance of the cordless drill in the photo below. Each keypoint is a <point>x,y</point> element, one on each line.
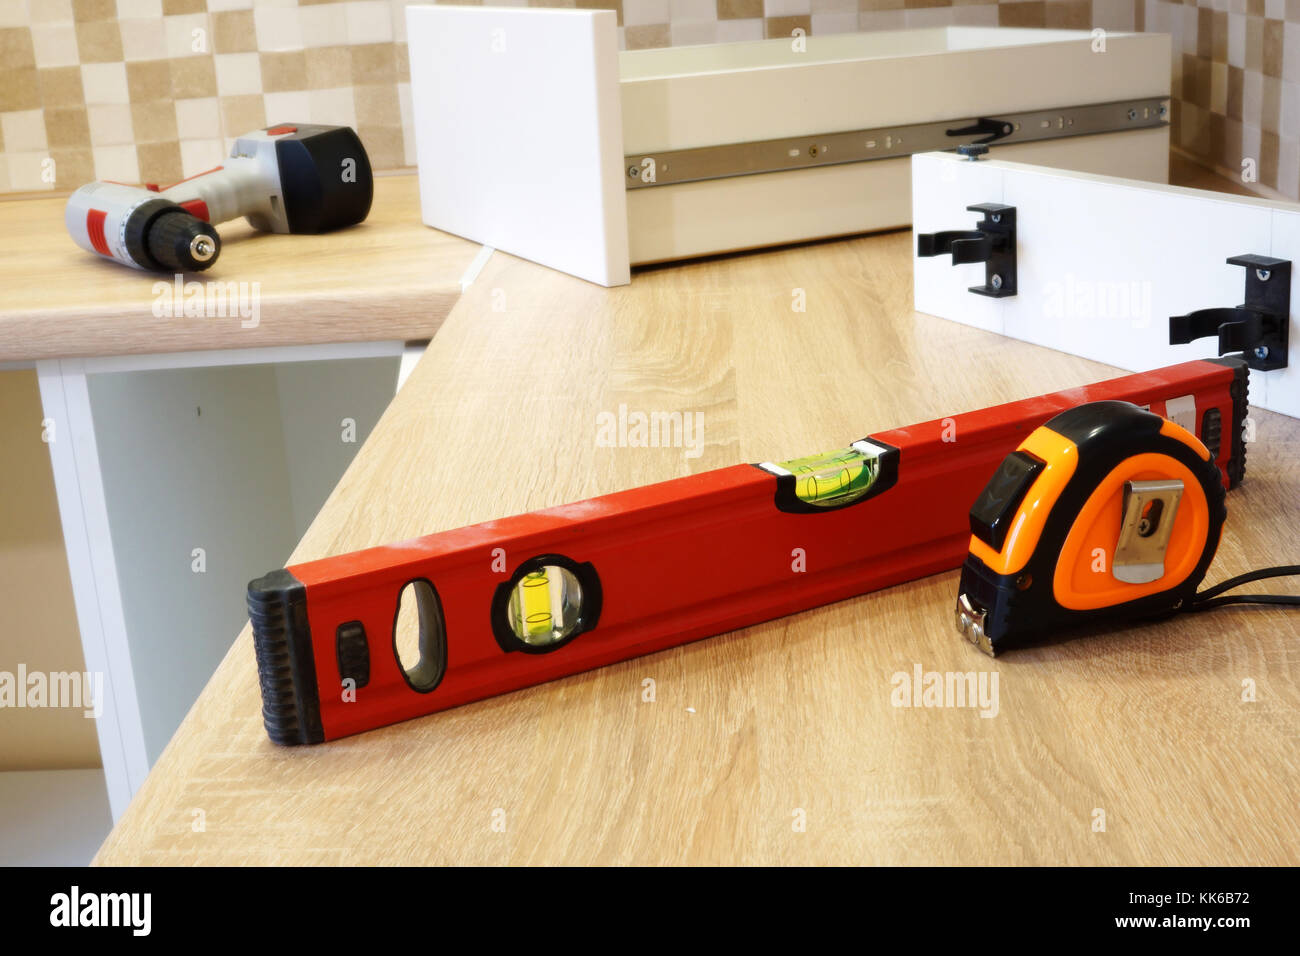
<point>289,178</point>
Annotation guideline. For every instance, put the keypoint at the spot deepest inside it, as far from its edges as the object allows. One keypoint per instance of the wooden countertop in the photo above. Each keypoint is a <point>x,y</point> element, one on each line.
<point>750,727</point>
<point>388,278</point>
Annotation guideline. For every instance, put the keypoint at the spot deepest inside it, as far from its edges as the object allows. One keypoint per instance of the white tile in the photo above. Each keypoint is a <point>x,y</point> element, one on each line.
<point>55,44</point>
<point>833,6</point>
<point>369,21</point>
<point>786,8</point>
<point>739,31</point>
<point>1237,40</point>
<point>110,124</point>
<point>334,107</point>
<point>637,13</point>
<point>1275,9</point>
<point>26,171</point>
<point>1112,14</point>
<point>278,29</point>
<point>198,118</point>
<point>1288,169</point>
<point>105,83</point>
<point>323,25</point>
<point>187,34</point>
<point>928,17</point>
<point>200,155</point>
<point>118,163</point>
<point>143,40</point>
<point>290,107</point>
<point>684,10</point>
<point>13,13</point>
<point>1289,120</point>
<point>1252,94</point>
<point>838,21</point>
<point>975,15</point>
<point>128,9</point>
<point>1291,52</point>
<point>690,32</point>
<point>1250,145</point>
<point>238,73</point>
<point>880,20</point>
<point>24,130</point>
<point>217,6</point>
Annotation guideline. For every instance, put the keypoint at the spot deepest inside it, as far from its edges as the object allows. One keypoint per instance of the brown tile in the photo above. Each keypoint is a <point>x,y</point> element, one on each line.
<point>378,105</point>
<point>1069,15</point>
<point>148,80</point>
<point>83,10</point>
<point>1195,131</point>
<point>1270,104</point>
<point>1268,150</point>
<point>403,54</point>
<point>739,9</point>
<point>20,90</point>
<point>243,114</point>
<point>233,32</point>
<point>1219,37</point>
<point>284,71</point>
<point>785,26</point>
<point>1230,156</point>
<point>328,67</point>
<point>1140,18</point>
<point>1293,11</point>
<point>65,129</point>
<point>1272,58</point>
<point>868,6</point>
<point>171,7</point>
<point>374,63</point>
<point>16,52</point>
<point>1032,14</point>
<point>154,122</point>
<point>384,146</point>
<point>99,41</point>
<point>649,36</point>
<point>1204,32</point>
<point>193,76</point>
<point>921,4</point>
<point>61,86</point>
<point>73,167</point>
<point>1254,8</point>
<point>159,162</point>
<point>1254,43</point>
<point>1236,89</point>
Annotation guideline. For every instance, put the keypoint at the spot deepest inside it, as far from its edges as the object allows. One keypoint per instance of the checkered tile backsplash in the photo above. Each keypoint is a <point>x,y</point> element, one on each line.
<point>156,90</point>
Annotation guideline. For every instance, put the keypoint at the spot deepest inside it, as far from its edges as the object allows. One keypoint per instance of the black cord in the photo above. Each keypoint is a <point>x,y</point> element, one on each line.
<point>1209,598</point>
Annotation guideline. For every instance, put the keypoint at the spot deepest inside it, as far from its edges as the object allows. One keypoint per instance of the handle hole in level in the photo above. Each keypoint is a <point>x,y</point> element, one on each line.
<point>420,635</point>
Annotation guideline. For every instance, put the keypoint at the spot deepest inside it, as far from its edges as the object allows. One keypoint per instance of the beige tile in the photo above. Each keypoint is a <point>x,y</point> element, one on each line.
<point>377,105</point>
<point>1068,15</point>
<point>333,107</point>
<point>74,167</point>
<point>384,146</point>
<point>647,37</point>
<point>198,118</point>
<point>61,86</point>
<point>149,80</point>
<point>67,129</point>
<point>738,9</point>
<point>173,7</point>
<point>110,124</point>
<point>785,26</point>
<point>154,122</point>
<point>242,114</point>
<point>160,162</point>
<point>1271,61</point>
<point>99,41</point>
<point>23,131</point>
<point>49,11</point>
<point>20,90</point>
<point>187,35</point>
<point>1032,14</point>
<point>93,9</point>
<point>201,155</point>
<point>328,66</point>
<point>27,172</point>
<point>403,54</point>
<point>193,76</point>
<point>374,63</point>
<point>238,73</point>
<point>284,71</point>
<point>232,32</point>
<point>1268,153</point>
<point>16,51</point>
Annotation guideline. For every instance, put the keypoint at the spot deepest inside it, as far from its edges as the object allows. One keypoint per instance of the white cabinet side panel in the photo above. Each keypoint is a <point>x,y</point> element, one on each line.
<point>518,133</point>
<point>1103,263</point>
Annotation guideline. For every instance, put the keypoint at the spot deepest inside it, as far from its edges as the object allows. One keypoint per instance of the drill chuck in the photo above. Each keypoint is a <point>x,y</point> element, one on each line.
<point>180,242</point>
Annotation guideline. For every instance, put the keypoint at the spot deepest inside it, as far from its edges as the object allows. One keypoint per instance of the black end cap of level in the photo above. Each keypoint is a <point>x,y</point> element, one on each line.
<point>286,667</point>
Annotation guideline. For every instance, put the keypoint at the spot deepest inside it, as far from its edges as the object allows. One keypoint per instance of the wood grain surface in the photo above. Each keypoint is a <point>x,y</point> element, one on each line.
<point>751,732</point>
<point>388,278</point>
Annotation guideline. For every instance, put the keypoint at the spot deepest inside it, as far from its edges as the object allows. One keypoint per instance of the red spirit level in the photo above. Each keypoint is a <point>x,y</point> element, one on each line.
<point>506,604</point>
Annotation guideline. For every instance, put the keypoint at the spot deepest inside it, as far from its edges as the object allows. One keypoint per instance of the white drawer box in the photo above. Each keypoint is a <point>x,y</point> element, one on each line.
<point>536,136</point>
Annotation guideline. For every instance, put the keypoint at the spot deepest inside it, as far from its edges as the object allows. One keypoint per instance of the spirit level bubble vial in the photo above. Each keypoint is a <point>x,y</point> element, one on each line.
<point>631,573</point>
